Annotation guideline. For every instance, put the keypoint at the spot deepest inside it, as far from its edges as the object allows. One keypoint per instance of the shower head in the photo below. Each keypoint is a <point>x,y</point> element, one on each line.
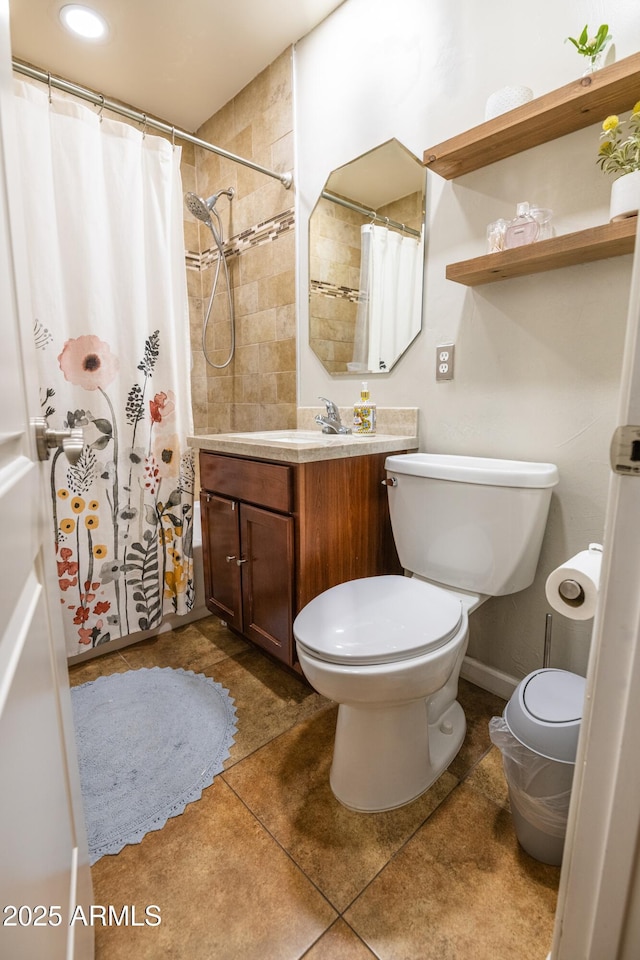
<point>198,207</point>
<point>202,208</point>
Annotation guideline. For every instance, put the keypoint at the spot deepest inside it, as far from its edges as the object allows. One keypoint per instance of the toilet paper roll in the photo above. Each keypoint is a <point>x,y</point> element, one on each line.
<point>572,588</point>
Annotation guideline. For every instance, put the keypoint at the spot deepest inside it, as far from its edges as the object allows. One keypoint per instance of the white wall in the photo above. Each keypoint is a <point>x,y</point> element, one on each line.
<point>537,359</point>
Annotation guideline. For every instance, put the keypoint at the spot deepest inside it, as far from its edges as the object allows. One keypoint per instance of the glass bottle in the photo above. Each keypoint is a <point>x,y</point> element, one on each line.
<point>543,217</point>
<point>495,235</point>
<point>524,229</point>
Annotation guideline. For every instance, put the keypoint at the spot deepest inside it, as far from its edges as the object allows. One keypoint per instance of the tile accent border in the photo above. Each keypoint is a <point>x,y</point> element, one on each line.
<point>335,292</point>
<point>261,233</point>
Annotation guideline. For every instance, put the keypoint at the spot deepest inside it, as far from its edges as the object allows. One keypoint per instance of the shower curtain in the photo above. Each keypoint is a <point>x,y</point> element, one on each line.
<point>103,214</point>
<point>390,304</point>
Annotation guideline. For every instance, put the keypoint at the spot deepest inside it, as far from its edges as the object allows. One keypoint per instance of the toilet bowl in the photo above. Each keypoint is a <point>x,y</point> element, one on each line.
<point>395,678</point>
<point>389,649</point>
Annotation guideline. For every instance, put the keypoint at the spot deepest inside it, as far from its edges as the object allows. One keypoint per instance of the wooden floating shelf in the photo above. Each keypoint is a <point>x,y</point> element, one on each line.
<point>584,246</point>
<point>579,104</point>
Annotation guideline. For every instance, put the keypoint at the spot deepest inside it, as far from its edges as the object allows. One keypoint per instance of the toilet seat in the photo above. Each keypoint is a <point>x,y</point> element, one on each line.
<point>377,620</point>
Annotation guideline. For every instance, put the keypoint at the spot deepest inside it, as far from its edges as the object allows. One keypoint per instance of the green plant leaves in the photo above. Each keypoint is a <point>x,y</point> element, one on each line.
<point>591,46</point>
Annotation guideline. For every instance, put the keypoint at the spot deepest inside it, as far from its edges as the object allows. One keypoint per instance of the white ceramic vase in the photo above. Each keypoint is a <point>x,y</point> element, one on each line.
<point>508,98</point>
<point>625,196</point>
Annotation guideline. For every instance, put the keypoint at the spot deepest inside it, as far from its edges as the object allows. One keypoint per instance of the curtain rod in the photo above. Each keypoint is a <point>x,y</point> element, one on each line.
<point>370,213</point>
<point>286,179</point>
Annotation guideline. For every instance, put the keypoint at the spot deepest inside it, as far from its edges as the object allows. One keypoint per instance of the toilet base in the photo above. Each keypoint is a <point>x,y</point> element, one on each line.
<point>387,756</point>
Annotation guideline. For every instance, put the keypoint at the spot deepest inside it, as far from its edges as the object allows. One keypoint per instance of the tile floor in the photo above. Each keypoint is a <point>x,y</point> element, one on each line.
<point>269,866</point>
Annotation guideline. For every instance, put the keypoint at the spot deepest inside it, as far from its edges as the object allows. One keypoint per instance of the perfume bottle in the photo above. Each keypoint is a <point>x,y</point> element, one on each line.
<point>524,229</point>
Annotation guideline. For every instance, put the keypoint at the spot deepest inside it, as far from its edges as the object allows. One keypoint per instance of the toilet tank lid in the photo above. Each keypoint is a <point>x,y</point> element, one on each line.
<point>484,470</point>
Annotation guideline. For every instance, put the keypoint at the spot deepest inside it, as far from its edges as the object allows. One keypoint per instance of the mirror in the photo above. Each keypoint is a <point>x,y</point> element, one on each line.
<point>366,260</point>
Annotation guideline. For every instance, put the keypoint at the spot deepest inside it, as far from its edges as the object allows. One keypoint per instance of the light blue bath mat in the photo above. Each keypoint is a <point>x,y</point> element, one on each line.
<point>149,741</point>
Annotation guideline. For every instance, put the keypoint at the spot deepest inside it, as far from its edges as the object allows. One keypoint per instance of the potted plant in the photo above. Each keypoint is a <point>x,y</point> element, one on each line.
<point>592,47</point>
<point>620,153</point>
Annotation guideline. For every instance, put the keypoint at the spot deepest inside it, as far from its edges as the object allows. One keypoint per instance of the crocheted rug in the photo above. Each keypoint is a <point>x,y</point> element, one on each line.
<point>149,742</point>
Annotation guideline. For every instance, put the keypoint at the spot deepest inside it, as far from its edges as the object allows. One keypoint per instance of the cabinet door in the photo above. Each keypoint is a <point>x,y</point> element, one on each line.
<point>221,553</point>
<point>267,579</point>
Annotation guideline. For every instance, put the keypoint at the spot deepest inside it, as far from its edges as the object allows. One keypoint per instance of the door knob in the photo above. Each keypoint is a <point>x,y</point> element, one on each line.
<point>71,439</point>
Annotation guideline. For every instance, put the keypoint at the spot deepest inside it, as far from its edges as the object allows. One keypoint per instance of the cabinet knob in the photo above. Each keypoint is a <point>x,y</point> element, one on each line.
<point>241,560</point>
<point>229,559</point>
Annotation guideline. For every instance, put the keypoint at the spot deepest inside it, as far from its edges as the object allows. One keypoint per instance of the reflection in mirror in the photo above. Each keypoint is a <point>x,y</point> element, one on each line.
<point>366,259</point>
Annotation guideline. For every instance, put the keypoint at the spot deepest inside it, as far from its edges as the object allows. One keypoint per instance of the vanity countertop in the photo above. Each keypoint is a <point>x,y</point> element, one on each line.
<point>301,446</point>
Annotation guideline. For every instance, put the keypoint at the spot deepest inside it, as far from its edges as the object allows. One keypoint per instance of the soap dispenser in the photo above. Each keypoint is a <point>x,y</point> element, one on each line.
<point>364,413</point>
<point>524,229</point>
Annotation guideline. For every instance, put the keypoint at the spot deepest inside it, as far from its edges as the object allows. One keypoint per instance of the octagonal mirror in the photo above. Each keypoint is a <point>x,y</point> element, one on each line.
<point>366,262</point>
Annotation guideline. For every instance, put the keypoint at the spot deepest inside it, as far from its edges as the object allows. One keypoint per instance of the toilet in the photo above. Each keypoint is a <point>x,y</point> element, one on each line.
<point>389,649</point>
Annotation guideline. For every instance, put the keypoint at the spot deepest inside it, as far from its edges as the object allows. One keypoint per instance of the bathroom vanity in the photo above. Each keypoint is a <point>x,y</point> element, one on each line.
<point>285,516</point>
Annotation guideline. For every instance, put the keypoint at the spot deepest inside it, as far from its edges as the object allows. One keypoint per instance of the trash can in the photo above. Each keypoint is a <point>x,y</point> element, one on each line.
<point>538,738</point>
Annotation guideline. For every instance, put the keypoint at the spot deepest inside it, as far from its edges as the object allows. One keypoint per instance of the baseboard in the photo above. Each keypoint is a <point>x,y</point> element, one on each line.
<point>488,678</point>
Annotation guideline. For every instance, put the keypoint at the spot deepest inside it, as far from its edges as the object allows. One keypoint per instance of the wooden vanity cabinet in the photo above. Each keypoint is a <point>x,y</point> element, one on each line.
<point>247,575</point>
<point>275,535</point>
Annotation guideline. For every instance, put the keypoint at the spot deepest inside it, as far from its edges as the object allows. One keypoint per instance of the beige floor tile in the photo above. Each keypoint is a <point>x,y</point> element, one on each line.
<point>268,699</point>
<point>339,943</point>
<point>195,646</point>
<point>461,888</point>
<point>286,785</point>
<point>488,777</point>
<point>99,667</point>
<point>225,889</point>
<point>479,706</point>
<point>247,871</point>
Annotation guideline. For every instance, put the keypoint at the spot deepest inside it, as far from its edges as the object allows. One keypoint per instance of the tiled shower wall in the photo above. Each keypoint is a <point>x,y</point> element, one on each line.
<point>257,390</point>
<point>334,264</point>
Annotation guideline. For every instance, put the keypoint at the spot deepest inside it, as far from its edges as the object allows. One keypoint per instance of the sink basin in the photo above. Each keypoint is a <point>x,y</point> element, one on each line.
<point>296,436</point>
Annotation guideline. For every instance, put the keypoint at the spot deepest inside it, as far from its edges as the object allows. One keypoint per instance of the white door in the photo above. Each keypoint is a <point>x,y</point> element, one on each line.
<point>44,869</point>
<point>598,915</point>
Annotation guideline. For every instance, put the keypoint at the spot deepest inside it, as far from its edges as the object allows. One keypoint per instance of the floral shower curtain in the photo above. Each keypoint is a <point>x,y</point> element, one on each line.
<point>103,213</point>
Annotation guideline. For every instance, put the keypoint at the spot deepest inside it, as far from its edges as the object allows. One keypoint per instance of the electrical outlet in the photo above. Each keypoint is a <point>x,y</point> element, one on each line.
<point>444,361</point>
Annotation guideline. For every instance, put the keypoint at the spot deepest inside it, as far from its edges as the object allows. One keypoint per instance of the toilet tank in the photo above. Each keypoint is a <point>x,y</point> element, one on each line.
<point>469,522</point>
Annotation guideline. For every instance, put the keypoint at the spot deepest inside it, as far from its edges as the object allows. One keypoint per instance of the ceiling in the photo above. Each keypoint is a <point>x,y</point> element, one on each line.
<point>177,60</point>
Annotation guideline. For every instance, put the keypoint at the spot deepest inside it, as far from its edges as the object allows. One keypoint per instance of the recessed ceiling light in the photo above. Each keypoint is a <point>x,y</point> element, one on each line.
<point>83,21</point>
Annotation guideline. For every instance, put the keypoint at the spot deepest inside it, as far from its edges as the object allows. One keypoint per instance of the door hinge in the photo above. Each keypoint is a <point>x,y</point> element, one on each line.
<point>624,453</point>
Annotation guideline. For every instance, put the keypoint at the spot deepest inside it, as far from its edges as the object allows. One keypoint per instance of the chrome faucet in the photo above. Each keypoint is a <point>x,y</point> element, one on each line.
<point>331,422</point>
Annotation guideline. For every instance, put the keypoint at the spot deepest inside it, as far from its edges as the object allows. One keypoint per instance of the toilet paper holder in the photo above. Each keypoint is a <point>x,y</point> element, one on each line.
<point>572,587</point>
<point>548,626</point>
<point>571,592</point>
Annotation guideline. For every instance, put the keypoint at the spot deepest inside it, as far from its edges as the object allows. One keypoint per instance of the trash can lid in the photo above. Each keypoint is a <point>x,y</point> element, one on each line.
<point>545,712</point>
